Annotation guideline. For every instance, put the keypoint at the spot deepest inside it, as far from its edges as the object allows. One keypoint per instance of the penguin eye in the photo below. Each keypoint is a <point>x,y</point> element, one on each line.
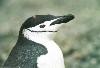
<point>42,26</point>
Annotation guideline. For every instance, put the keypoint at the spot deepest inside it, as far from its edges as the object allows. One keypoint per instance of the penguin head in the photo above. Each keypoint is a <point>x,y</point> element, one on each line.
<point>44,25</point>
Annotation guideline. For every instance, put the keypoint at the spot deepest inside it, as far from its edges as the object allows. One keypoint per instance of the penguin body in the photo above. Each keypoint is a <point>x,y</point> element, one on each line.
<point>25,56</point>
<point>35,47</point>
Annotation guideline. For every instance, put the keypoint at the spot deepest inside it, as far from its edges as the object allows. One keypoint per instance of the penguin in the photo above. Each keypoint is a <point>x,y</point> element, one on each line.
<point>35,47</point>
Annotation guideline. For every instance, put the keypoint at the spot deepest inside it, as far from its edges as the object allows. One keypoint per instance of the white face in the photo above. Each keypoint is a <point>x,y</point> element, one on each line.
<point>43,30</point>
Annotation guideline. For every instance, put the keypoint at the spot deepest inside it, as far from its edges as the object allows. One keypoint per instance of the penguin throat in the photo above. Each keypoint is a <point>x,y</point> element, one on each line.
<point>37,36</point>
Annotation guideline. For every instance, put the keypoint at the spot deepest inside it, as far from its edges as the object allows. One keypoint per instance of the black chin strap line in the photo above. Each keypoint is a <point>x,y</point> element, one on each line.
<point>41,31</point>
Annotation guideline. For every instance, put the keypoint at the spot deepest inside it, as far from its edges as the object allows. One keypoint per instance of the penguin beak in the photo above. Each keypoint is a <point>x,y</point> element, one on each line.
<point>63,19</point>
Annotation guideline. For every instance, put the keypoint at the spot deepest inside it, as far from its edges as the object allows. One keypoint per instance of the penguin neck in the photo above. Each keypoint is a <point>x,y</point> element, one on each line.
<point>41,38</point>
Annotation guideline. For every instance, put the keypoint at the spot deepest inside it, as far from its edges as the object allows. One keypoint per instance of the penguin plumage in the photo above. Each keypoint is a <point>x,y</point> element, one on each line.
<point>35,47</point>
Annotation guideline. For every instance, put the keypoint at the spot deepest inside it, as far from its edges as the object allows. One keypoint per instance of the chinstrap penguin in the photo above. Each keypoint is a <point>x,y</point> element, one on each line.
<point>35,47</point>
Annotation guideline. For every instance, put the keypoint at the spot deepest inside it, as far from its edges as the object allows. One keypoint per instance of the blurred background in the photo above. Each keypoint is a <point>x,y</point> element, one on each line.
<point>78,39</point>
